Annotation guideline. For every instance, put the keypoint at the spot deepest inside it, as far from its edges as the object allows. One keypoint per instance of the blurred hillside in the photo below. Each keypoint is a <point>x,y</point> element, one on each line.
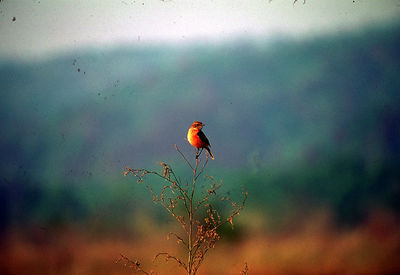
<point>303,125</point>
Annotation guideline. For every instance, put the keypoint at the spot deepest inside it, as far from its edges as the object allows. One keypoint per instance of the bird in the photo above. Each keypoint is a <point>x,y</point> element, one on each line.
<point>198,139</point>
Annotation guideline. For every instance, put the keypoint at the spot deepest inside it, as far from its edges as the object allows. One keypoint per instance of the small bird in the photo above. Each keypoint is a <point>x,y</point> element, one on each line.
<point>197,138</point>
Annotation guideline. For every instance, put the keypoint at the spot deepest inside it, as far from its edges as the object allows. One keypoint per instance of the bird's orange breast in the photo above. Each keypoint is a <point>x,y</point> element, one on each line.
<point>194,139</point>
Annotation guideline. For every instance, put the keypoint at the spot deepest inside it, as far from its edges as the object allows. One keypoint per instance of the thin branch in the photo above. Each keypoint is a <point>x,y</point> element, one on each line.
<point>211,191</point>
<point>167,257</point>
<point>178,218</point>
<point>202,168</point>
<point>135,265</point>
<point>194,178</point>
<point>235,211</point>
<point>180,240</point>
<point>156,198</point>
<point>183,156</point>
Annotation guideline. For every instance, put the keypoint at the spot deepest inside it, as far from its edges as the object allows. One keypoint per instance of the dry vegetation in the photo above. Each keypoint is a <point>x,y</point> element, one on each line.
<point>191,208</point>
<point>373,248</point>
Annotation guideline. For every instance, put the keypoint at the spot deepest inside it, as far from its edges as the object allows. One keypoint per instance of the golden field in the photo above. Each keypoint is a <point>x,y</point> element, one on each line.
<point>313,248</point>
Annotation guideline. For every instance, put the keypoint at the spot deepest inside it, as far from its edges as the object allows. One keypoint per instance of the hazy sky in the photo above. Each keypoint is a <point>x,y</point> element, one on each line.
<point>31,28</point>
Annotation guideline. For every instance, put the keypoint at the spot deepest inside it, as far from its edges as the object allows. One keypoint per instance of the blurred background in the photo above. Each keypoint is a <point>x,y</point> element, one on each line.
<point>302,108</point>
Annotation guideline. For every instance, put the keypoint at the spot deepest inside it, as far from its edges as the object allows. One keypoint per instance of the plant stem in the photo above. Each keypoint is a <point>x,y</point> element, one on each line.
<point>190,256</point>
<point>190,240</point>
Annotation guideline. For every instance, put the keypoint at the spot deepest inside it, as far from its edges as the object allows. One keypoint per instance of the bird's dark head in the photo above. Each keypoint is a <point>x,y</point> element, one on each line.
<point>197,125</point>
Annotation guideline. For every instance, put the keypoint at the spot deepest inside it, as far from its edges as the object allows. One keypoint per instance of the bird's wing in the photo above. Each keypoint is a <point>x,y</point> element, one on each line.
<point>203,137</point>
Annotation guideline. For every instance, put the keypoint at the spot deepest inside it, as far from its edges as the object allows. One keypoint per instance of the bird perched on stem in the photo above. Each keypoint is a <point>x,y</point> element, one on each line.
<point>198,139</point>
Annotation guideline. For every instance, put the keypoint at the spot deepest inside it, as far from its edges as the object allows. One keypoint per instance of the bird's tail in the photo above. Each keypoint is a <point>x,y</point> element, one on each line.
<point>209,152</point>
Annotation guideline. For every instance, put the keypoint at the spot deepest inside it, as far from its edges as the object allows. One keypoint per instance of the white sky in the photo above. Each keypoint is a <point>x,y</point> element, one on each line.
<point>44,27</point>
